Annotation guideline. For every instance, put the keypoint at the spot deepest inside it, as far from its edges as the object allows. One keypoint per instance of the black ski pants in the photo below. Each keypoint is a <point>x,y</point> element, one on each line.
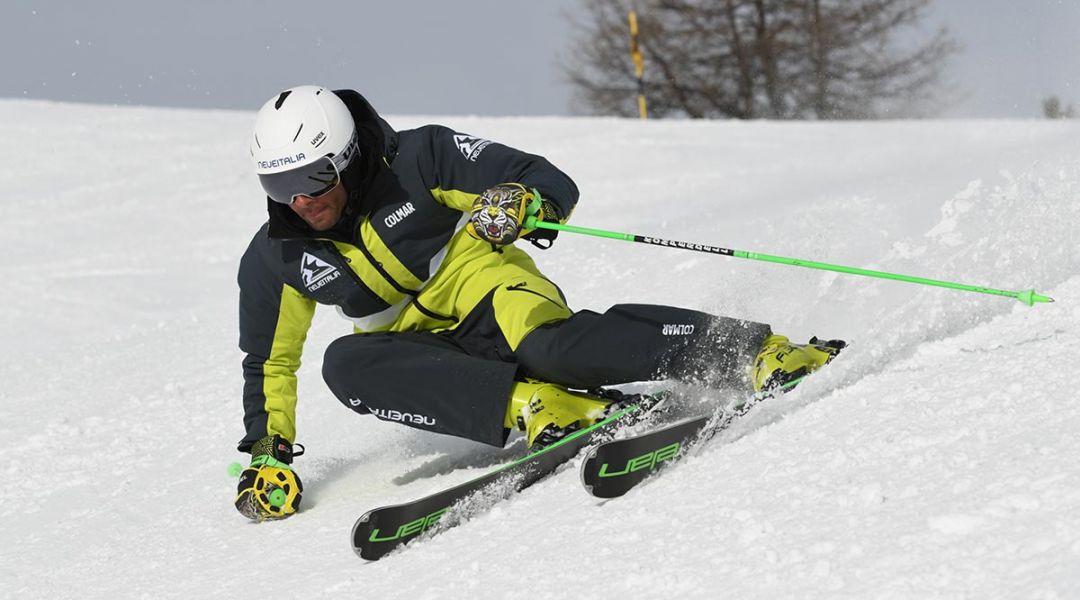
<point>458,382</point>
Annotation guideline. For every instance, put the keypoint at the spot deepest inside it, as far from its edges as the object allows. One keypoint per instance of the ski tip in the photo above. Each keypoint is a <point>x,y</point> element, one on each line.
<point>358,536</point>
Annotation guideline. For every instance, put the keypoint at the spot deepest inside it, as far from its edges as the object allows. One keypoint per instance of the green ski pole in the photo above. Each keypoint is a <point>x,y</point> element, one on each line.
<point>1029,297</point>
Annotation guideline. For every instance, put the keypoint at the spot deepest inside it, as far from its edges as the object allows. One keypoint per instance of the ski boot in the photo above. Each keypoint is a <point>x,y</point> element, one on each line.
<point>547,412</point>
<point>780,362</point>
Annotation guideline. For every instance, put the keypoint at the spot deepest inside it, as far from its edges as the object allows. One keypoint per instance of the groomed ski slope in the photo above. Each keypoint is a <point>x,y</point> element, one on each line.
<point>938,458</point>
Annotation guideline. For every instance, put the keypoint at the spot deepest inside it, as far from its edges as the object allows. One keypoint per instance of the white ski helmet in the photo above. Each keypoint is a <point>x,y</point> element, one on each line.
<point>304,138</point>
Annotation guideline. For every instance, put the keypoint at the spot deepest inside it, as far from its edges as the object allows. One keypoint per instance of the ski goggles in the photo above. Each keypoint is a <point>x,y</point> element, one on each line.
<point>313,179</point>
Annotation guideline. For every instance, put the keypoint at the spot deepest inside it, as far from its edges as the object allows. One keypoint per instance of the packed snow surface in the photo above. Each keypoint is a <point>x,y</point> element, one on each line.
<point>938,458</point>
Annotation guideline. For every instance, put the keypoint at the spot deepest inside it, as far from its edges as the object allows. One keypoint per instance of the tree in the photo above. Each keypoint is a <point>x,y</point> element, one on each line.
<point>1052,109</point>
<point>783,59</point>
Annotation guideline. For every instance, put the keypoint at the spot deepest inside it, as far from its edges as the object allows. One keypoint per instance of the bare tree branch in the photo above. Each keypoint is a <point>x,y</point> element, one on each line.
<point>785,59</point>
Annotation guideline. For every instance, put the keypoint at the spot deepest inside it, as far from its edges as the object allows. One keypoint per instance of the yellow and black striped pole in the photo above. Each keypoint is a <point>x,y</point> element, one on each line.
<point>639,66</point>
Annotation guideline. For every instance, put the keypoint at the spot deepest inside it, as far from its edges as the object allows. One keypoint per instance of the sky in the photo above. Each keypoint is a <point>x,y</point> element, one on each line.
<point>483,57</point>
<point>1014,53</point>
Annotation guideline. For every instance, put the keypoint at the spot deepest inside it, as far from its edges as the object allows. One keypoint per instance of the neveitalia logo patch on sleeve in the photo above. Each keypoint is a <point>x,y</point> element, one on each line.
<point>470,146</point>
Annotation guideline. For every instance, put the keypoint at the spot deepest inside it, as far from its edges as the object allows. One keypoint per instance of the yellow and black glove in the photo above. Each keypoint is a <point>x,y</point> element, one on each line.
<point>269,488</point>
<point>498,215</point>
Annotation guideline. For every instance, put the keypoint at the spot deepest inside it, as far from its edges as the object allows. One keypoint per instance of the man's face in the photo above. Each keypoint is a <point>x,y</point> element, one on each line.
<point>321,212</point>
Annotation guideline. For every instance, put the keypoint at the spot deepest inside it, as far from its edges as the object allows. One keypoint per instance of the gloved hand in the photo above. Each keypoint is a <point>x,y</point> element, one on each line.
<point>269,488</point>
<point>498,215</point>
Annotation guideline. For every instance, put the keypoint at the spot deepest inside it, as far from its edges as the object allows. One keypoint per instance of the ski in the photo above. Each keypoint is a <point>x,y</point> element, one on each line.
<point>382,530</point>
<point>613,468</point>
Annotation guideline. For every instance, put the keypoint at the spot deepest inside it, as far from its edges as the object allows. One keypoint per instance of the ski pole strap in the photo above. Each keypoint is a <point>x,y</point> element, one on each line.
<point>1029,297</point>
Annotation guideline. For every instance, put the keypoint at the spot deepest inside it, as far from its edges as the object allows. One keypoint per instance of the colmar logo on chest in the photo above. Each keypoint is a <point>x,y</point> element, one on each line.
<point>316,272</point>
<point>399,215</point>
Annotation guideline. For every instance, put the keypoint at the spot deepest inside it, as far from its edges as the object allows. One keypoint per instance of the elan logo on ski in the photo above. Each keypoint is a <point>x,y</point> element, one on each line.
<point>647,461</point>
<point>410,529</point>
<point>316,272</point>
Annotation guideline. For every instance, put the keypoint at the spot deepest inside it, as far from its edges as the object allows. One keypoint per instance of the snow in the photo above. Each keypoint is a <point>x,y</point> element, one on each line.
<point>936,459</point>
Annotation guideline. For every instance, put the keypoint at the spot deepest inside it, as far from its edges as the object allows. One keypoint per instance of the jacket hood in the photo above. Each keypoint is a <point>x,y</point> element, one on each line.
<point>378,146</point>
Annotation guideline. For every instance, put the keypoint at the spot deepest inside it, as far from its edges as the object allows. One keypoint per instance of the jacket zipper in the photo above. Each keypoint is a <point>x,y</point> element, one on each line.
<point>393,283</point>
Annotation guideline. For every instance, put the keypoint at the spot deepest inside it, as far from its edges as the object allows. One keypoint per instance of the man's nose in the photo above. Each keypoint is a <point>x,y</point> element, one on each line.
<point>302,201</point>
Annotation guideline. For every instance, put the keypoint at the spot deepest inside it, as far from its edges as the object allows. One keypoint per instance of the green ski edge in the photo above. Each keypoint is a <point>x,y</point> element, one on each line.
<point>426,522</point>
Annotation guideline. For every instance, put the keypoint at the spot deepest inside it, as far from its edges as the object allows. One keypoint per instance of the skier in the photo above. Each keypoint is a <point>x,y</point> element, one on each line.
<point>411,235</point>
